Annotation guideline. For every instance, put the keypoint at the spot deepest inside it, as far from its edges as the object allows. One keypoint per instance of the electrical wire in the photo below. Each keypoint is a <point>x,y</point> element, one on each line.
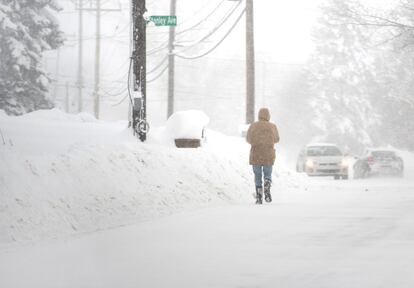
<point>217,44</point>
<point>120,68</point>
<point>129,81</point>
<point>158,49</point>
<point>201,21</point>
<point>158,65</point>
<point>165,45</point>
<point>115,94</point>
<point>195,13</point>
<point>121,101</point>
<point>217,27</point>
<point>159,74</point>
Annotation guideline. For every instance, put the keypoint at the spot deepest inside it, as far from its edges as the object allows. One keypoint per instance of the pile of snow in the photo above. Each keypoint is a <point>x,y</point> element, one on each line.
<point>187,124</point>
<point>3,114</point>
<point>408,158</point>
<point>56,115</point>
<point>61,175</point>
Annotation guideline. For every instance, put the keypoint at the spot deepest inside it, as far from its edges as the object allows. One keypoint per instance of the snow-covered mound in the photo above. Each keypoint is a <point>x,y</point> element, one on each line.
<point>187,124</point>
<point>190,124</point>
<point>61,175</point>
<point>408,158</point>
<point>58,115</point>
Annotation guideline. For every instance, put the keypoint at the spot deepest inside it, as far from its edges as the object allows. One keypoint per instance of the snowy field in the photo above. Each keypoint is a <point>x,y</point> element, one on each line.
<point>83,204</point>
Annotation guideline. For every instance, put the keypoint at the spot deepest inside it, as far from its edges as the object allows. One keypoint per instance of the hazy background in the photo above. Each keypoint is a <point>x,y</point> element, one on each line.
<point>325,71</point>
<point>214,83</point>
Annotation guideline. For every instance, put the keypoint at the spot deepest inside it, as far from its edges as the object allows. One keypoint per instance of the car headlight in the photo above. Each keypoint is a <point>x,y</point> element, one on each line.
<point>344,163</point>
<point>309,163</point>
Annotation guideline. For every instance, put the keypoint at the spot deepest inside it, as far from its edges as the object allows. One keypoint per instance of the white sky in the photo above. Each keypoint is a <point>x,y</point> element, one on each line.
<point>282,28</point>
<point>281,31</point>
<point>282,34</point>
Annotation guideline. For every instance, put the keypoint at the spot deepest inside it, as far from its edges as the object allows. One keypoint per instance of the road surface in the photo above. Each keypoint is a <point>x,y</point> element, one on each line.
<point>326,234</point>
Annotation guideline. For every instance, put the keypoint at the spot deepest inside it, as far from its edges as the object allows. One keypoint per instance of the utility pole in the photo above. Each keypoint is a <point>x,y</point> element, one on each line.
<point>171,61</point>
<point>139,58</point>
<point>250,75</point>
<point>97,58</point>
<point>80,56</point>
<point>55,90</point>
<point>96,94</point>
<point>67,97</point>
<point>131,29</point>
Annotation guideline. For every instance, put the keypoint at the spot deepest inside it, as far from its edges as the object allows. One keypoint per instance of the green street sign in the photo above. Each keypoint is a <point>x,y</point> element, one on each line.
<point>163,20</point>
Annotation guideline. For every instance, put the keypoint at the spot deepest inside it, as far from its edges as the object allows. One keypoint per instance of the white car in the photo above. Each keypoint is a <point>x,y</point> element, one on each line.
<point>322,159</point>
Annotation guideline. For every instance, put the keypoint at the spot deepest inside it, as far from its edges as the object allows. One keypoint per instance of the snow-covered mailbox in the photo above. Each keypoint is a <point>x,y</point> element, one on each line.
<point>187,128</point>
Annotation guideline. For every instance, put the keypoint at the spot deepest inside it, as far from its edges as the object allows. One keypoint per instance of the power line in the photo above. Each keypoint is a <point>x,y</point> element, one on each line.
<point>116,71</point>
<point>158,75</point>
<point>195,13</point>
<point>120,102</point>
<point>158,49</point>
<point>217,44</point>
<point>158,65</point>
<point>115,94</point>
<point>217,27</point>
<point>165,45</point>
<point>202,20</point>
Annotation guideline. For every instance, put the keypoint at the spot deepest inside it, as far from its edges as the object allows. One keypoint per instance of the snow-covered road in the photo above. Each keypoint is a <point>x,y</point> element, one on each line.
<point>330,234</point>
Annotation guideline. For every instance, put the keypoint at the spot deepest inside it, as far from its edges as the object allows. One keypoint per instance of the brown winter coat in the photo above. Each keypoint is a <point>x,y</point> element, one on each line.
<point>262,135</point>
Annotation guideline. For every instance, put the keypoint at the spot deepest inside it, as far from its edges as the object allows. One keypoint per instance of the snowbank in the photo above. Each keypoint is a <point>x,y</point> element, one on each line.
<point>91,188</point>
<point>408,158</point>
<point>61,175</point>
<point>57,115</point>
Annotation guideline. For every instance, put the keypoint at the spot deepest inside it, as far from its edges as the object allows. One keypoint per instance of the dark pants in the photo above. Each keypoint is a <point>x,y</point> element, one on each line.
<point>260,172</point>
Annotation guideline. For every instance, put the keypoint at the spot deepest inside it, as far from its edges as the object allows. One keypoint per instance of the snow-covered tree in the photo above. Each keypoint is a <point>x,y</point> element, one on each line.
<point>395,101</point>
<point>27,29</point>
<point>363,74</point>
<point>342,76</point>
<point>292,109</point>
<point>392,30</point>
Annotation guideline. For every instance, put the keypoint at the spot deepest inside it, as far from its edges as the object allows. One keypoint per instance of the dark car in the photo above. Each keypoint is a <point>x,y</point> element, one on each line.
<point>379,162</point>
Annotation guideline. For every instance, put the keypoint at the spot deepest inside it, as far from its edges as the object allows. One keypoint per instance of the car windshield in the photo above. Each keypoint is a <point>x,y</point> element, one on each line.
<point>383,154</point>
<point>323,151</point>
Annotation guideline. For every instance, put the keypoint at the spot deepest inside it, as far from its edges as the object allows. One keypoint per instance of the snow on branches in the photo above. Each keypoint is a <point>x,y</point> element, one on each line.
<point>27,29</point>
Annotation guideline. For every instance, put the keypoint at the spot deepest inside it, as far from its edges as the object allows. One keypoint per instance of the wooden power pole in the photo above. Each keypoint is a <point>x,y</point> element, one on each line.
<point>139,112</point>
<point>80,56</point>
<point>97,59</point>
<point>171,61</point>
<point>250,74</point>
<point>98,9</point>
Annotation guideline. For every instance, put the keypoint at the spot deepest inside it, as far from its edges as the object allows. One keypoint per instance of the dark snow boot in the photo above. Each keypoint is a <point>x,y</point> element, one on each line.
<point>267,185</point>
<point>259,195</point>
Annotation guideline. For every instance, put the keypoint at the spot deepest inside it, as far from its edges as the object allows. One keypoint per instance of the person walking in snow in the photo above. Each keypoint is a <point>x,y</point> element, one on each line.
<point>262,135</point>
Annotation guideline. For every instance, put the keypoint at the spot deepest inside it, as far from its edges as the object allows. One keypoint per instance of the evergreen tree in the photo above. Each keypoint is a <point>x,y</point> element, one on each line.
<point>27,29</point>
<point>395,101</point>
<point>292,108</point>
<point>363,72</point>
<point>342,76</point>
